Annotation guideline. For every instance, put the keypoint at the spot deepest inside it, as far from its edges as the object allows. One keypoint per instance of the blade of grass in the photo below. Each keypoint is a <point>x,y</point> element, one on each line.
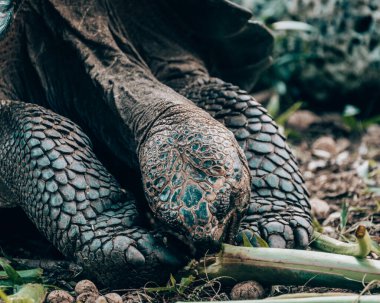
<point>10,271</point>
<point>281,120</point>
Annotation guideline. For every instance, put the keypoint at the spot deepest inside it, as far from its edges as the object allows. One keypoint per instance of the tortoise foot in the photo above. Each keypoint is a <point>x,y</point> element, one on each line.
<point>280,223</point>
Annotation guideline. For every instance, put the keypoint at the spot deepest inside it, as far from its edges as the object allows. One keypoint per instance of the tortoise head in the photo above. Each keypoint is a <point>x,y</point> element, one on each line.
<point>196,178</point>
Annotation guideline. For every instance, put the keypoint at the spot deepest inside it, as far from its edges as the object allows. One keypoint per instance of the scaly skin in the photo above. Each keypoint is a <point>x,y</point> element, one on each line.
<point>194,178</point>
<point>100,230</point>
<point>279,210</point>
<point>89,67</point>
<point>48,166</point>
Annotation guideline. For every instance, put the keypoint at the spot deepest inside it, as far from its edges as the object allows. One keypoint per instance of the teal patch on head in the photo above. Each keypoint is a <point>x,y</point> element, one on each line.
<point>177,180</point>
<point>195,146</point>
<point>159,182</point>
<point>212,179</point>
<point>188,217</point>
<point>196,160</point>
<point>207,164</point>
<point>192,195</point>
<point>175,197</point>
<point>202,213</point>
<point>163,156</point>
<point>198,175</point>
<point>164,196</point>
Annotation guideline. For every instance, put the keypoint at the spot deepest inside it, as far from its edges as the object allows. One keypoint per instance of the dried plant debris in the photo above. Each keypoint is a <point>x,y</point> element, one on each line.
<point>342,174</point>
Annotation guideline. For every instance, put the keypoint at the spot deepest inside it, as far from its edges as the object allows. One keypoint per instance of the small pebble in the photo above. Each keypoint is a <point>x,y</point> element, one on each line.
<point>325,144</point>
<point>302,119</point>
<point>113,298</point>
<point>248,290</point>
<point>131,298</point>
<point>319,208</point>
<point>59,296</point>
<point>85,286</point>
<point>87,297</point>
<point>101,299</point>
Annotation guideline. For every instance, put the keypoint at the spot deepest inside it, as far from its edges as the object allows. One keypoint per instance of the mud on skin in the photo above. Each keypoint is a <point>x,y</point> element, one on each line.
<point>126,76</point>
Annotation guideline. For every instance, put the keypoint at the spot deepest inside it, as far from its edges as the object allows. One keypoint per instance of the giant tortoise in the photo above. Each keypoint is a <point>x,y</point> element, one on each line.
<point>137,85</point>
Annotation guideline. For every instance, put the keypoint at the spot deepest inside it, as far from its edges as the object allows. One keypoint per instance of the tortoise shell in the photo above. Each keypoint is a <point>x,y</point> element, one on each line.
<point>237,48</point>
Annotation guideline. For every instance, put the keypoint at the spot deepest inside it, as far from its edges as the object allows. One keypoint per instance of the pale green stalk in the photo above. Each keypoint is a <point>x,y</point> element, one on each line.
<point>273,266</point>
<point>360,249</point>
<point>317,299</point>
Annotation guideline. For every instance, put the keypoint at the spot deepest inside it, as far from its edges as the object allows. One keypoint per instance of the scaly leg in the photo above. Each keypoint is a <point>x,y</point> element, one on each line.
<point>48,168</point>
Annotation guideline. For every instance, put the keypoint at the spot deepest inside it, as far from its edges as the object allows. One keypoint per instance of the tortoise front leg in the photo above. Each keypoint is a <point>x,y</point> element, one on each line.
<point>279,209</point>
<point>48,168</point>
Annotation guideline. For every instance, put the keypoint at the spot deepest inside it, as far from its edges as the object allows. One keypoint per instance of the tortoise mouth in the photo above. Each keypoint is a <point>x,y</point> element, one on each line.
<point>224,232</point>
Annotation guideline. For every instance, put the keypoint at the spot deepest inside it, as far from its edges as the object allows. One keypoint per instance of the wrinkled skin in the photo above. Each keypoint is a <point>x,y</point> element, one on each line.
<point>212,162</point>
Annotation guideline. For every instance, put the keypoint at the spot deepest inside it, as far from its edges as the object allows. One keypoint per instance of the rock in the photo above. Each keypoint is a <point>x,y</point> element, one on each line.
<point>248,290</point>
<point>302,119</point>
<point>101,299</point>
<point>133,298</point>
<point>324,147</point>
<point>87,297</point>
<point>319,208</point>
<point>113,298</point>
<point>85,286</point>
<point>59,296</point>
<point>316,165</point>
<point>342,144</point>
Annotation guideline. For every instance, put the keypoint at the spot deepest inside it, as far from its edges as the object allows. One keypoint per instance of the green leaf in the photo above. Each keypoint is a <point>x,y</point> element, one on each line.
<point>185,283</point>
<point>316,225</point>
<point>160,289</point>
<point>246,242</point>
<point>171,286</point>
<point>261,241</point>
<point>11,272</point>
<point>172,280</point>
<point>281,120</point>
<point>29,293</point>
<point>27,275</point>
<point>368,122</point>
<point>4,297</point>
<point>352,123</point>
<point>273,106</point>
<point>343,216</point>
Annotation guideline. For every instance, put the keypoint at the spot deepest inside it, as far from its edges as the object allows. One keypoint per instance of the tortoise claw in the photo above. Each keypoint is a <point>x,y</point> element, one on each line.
<point>288,228</point>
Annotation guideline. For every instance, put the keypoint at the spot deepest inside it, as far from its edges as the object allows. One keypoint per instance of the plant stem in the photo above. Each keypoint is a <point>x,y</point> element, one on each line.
<point>317,299</point>
<point>360,249</point>
<point>272,266</point>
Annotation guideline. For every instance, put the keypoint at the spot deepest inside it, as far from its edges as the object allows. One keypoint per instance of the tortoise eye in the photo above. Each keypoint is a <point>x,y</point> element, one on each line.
<point>6,14</point>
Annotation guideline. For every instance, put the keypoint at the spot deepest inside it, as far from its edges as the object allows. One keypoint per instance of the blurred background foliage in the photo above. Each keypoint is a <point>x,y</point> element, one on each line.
<point>327,54</point>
